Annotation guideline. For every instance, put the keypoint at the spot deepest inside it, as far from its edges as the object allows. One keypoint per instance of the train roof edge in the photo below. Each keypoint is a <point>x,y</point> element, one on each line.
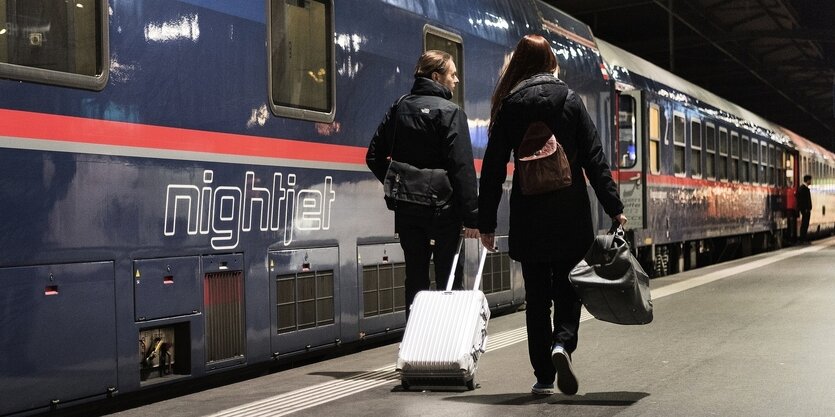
<point>617,57</point>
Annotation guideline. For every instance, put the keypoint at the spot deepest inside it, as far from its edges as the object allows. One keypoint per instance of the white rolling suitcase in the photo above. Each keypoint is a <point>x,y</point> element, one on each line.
<point>445,335</point>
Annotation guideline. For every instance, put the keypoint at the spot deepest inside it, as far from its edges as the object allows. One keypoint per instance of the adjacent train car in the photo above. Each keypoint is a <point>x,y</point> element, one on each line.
<point>703,179</point>
<point>182,182</point>
<point>812,159</point>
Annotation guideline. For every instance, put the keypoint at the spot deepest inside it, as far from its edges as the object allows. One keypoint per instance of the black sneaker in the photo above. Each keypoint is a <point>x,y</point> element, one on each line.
<point>566,381</point>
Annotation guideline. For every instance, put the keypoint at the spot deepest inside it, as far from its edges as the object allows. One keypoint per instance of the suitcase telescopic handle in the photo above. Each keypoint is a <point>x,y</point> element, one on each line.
<point>481,260</point>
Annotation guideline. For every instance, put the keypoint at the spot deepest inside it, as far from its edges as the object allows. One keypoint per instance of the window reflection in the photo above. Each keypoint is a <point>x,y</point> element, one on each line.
<point>301,55</point>
<point>62,36</point>
<point>627,135</point>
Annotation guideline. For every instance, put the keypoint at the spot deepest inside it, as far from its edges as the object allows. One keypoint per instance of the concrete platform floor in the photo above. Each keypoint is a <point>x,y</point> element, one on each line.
<point>752,337</point>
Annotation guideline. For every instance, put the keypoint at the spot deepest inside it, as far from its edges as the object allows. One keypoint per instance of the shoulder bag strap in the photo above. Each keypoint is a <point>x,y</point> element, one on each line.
<point>393,117</point>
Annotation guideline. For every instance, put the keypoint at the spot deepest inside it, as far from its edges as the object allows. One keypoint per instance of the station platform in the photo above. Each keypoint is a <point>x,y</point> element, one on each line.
<point>750,337</point>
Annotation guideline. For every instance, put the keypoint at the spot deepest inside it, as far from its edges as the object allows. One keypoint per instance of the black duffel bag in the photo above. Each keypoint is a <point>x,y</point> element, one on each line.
<point>611,283</point>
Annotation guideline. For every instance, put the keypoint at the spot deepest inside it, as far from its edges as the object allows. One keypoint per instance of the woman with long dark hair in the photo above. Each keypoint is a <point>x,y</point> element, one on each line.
<point>551,231</point>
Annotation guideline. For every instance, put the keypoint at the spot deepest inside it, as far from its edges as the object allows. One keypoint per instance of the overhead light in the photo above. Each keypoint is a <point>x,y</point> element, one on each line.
<point>79,5</point>
<point>3,31</point>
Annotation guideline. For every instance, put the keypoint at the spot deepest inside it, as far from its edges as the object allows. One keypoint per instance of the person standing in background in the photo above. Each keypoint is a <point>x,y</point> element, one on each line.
<point>804,206</point>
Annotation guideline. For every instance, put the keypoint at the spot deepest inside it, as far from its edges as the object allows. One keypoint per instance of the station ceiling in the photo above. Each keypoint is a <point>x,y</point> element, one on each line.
<point>773,57</point>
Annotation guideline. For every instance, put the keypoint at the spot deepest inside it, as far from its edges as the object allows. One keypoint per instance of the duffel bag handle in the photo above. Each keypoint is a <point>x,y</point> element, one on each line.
<point>616,236</point>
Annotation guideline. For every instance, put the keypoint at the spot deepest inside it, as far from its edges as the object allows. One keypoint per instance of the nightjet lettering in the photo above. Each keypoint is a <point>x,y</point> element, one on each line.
<point>224,212</point>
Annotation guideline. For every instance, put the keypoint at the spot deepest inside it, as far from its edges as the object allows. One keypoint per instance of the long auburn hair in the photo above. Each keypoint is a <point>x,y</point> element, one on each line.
<point>532,55</point>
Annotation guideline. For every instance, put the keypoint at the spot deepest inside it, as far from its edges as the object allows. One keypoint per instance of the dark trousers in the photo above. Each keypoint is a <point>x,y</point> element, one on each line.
<point>546,284</point>
<point>422,239</point>
<point>804,224</point>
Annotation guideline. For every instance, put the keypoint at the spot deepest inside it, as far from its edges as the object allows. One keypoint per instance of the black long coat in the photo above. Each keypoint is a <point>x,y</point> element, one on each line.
<point>546,225</point>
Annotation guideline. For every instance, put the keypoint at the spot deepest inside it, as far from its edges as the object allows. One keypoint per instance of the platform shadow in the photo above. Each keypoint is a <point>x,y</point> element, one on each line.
<point>433,388</point>
<point>337,375</point>
<point>599,399</point>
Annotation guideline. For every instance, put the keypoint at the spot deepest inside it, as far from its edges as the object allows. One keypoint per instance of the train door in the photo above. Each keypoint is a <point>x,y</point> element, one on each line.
<point>630,161</point>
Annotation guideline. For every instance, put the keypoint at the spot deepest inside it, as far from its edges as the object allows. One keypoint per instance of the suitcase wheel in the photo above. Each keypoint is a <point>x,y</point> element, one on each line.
<point>471,384</point>
<point>404,384</point>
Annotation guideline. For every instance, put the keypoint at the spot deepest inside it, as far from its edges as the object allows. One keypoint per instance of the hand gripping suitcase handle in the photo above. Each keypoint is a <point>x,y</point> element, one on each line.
<point>481,260</point>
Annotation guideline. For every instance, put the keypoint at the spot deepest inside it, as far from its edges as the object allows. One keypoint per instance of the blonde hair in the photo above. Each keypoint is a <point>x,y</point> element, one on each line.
<point>432,61</point>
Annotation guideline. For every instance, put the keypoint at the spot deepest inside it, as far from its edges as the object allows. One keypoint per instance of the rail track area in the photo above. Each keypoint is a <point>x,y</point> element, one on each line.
<point>751,337</point>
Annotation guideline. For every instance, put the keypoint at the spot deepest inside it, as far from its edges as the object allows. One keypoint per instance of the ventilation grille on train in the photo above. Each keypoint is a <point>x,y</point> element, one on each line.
<point>383,289</point>
<point>305,300</point>
<point>496,274</point>
<point>223,299</point>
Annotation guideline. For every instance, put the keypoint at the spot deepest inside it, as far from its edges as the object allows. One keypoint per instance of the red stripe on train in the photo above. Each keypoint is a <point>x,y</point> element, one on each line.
<point>673,180</point>
<point>84,130</point>
<point>70,129</point>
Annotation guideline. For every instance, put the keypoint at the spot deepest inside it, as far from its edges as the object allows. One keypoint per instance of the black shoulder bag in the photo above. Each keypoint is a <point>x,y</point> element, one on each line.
<point>412,189</point>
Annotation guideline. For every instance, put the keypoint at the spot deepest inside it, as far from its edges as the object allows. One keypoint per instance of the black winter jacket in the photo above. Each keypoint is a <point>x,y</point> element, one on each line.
<point>432,132</point>
<point>804,197</point>
<point>546,227</point>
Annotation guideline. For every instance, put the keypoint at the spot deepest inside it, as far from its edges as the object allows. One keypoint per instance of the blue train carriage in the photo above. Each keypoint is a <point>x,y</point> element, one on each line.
<point>703,180</point>
<point>178,200</point>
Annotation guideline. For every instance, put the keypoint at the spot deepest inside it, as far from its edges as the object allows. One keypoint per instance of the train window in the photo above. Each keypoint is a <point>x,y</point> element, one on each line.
<point>745,160</point>
<point>710,148</point>
<point>695,148</point>
<point>772,179</point>
<point>755,158</point>
<point>301,61</point>
<point>764,163</point>
<point>789,170</point>
<point>723,153</point>
<point>434,38</point>
<point>781,168</point>
<point>55,42</point>
<point>654,140</point>
<point>804,163</point>
<point>733,171</point>
<point>678,144</point>
<point>626,132</point>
